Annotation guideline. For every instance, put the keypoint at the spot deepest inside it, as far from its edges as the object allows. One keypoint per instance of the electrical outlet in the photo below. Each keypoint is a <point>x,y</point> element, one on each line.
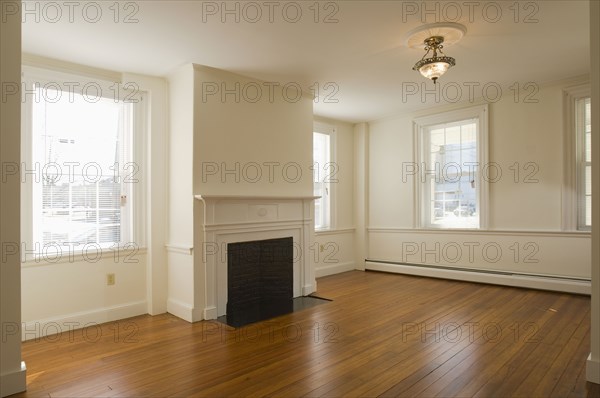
<point>110,279</point>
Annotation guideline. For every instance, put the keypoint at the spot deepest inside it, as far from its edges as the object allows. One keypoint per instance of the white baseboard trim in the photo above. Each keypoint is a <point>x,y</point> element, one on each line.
<point>333,269</point>
<point>515,280</point>
<point>13,382</point>
<point>592,370</point>
<point>185,311</point>
<point>308,289</point>
<point>180,309</point>
<point>50,326</point>
<point>210,313</point>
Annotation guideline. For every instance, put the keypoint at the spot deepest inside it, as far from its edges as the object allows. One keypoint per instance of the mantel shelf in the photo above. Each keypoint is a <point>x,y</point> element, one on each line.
<point>253,197</point>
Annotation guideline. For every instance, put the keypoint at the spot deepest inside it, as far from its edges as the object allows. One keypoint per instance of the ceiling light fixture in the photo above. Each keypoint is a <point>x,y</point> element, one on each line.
<point>435,36</point>
<point>434,67</point>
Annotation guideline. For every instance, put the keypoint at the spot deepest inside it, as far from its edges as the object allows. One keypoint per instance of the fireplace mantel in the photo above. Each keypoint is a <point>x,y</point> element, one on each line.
<point>241,218</point>
<point>253,197</point>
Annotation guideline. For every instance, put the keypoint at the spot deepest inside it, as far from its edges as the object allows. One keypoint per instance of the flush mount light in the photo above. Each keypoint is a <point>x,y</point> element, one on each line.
<point>433,36</point>
<point>434,67</point>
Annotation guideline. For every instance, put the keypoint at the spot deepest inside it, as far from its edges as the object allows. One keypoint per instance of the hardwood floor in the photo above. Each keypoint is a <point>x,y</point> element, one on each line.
<point>383,335</point>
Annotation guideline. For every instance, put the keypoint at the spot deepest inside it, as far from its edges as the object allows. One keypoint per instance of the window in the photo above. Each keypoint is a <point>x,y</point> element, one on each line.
<point>583,128</point>
<point>80,169</point>
<point>577,192</point>
<point>324,171</point>
<point>451,153</point>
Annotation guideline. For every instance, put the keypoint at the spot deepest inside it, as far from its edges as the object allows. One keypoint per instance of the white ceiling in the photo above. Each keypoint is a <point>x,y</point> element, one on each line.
<point>362,53</point>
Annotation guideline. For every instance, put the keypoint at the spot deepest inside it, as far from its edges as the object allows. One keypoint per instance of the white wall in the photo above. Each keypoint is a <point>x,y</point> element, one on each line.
<point>72,293</point>
<point>181,200</point>
<point>524,218</point>
<point>237,134</point>
<point>361,193</point>
<point>334,250</point>
<point>12,371</point>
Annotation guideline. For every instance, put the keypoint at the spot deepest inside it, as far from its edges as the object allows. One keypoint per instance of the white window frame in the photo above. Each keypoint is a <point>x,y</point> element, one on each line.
<point>135,228</point>
<point>326,170</point>
<point>479,112</point>
<point>573,184</point>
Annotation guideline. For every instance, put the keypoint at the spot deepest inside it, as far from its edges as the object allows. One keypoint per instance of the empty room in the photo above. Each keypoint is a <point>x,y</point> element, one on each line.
<point>343,198</point>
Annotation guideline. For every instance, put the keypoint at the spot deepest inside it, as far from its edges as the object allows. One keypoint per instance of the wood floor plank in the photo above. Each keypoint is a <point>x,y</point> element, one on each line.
<point>420,378</point>
<point>529,361</point>
<point>493,338</point>
<point>568,380</point>
<point>427,351</point>
<point>383,335</point>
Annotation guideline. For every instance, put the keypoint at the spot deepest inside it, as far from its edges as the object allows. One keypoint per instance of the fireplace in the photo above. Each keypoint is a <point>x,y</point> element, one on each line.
<point>259,280</point>
<point>232,226</point>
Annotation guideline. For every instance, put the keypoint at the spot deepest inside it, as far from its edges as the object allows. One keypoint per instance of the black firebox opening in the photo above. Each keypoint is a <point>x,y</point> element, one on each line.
<point>259,280</point>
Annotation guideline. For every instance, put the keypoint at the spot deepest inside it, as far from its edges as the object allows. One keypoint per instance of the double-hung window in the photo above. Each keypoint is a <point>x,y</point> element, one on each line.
<point>451,154</point>
<point>81,164</point>
<point>583,127</point>
<point>323,174</point>
<point>577,193</point>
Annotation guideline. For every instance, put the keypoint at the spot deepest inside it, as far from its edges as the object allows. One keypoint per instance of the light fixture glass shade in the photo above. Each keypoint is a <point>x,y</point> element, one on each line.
<point>433,68</point>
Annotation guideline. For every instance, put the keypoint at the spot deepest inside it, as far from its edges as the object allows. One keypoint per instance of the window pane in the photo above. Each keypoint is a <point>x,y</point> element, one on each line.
<point>455,204</point>
<point>588,180</point>
<point>437,138</point>
<point>453,135</point>
<point>321,159</point>
<point>588,210</point>
<point>588,147</point>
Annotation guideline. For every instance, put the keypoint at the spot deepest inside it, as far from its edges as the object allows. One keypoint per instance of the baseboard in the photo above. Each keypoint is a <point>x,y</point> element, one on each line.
<point>50,326</point>
<point>592,370</point>
<point>180,309</point>
<point>13,382</point>
<point>210,313</point>
<point>308,289</point>
<point>515,280</point>
<point>333,269</point>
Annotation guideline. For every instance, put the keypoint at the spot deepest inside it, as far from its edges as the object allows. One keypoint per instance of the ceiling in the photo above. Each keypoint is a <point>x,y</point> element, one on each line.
<point>360,49</point>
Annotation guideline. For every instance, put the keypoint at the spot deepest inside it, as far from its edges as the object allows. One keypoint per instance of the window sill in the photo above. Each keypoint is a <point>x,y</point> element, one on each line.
<point>556,233</point>
<point>121,256</point>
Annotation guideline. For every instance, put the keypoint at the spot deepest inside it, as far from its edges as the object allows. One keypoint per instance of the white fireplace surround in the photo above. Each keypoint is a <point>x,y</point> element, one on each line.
<point>231,219</point>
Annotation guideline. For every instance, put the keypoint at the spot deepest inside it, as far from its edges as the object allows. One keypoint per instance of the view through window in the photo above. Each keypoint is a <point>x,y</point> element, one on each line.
<point>322,188</point>
<point>81,148</point>
<point>450,187</point>
<point>584,162</point>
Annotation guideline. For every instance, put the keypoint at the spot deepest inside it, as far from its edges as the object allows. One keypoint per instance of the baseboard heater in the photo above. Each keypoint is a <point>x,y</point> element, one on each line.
<point>532,281</point>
